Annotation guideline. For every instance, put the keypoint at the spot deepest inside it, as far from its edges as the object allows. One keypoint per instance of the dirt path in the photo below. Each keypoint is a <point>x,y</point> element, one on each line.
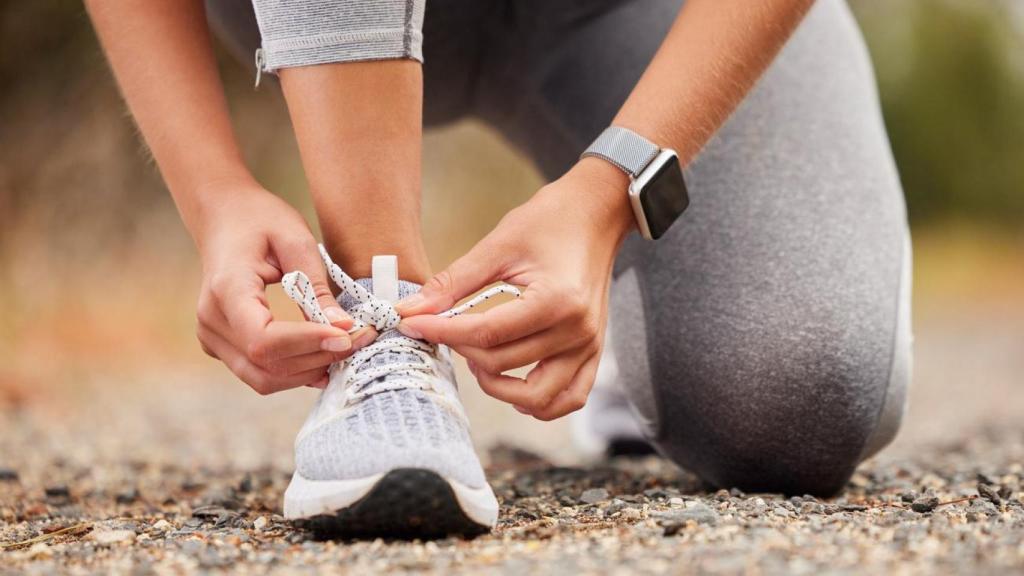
<point>182,472</point>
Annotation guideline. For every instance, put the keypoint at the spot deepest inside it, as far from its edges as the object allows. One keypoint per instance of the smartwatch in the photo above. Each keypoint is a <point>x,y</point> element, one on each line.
<point>657,191</point>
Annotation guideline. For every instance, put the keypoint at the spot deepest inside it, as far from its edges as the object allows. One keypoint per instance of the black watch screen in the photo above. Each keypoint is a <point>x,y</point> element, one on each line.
<point>664,197</point>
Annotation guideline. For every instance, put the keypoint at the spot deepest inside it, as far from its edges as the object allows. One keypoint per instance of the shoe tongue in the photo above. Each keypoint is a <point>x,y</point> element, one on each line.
<point>405,289</point>
<point>385,278</point>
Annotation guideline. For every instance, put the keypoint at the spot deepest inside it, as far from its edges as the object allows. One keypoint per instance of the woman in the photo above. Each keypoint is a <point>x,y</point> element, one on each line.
<point>763,342</point>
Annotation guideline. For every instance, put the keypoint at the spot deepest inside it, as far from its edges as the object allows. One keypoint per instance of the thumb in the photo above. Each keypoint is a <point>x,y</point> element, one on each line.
<point>463,277</point>
<point>307,259</point>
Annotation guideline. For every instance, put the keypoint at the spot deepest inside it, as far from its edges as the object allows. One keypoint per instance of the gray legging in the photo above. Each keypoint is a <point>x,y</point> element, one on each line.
<point>765,340</point>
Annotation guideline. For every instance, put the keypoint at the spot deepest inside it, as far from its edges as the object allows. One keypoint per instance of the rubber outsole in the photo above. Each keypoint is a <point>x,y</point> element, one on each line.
<point>629,447</point>
<point>406,503</point>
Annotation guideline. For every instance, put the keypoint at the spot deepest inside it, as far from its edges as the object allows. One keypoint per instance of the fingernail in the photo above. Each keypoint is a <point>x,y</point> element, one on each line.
<point>362,339</point>
<point>336,344</point>
<point>521,410</point>
<point>321,384</point>
<point>410,301</point>
<point>472,366</point>
<point>410,332</point>
<point>335,315</point>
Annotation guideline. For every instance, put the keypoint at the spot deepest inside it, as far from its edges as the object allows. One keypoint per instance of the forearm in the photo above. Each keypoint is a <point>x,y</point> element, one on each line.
<point>161,53</point>
<point>715,52</point>
<point>712,56</point>
<point>359,128</point>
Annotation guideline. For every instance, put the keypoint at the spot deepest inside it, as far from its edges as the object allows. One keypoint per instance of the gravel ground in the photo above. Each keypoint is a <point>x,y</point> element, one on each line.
<point>182,473</point>
<point>950,509</point>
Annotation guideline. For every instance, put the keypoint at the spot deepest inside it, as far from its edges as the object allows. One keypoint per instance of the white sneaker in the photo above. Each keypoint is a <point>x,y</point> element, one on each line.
<point>608,426</point>
<point>386,450</point>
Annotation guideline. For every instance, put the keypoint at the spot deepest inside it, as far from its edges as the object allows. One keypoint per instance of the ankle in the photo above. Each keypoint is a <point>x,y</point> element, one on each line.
<point>413,265</point>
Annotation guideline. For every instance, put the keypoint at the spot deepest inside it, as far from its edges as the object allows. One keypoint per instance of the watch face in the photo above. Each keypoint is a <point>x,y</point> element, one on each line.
<point>664,197</point>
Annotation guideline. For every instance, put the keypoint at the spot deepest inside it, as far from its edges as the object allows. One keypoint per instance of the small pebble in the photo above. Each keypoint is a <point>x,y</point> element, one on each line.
<point>594,495</point>
<point>988,492</point>
<point>780,511</point>
<point>127,497</point>
<point>925,503</point>
<point>630,514</point>
<point>260,523</point>
<point>615,506</point>
<point>672,521</point>
<point>8,475</point>
<point>58,491</point>
<point>245,485</point>
<point>40,550</point>
<point>109,537</point>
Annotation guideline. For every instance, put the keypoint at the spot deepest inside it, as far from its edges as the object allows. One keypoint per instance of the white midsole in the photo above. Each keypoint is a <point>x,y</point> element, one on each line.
<point>306,498</point>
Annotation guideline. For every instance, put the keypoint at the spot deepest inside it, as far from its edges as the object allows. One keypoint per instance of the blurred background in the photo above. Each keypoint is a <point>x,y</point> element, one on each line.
<point>98,278</point>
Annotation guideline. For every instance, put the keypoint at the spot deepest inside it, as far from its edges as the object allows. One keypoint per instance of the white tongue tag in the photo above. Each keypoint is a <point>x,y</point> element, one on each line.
<point>385,278</point>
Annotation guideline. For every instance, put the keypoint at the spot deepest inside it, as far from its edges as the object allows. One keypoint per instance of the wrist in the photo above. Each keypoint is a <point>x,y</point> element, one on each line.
<point>205,204</point>
<point>605,188</point>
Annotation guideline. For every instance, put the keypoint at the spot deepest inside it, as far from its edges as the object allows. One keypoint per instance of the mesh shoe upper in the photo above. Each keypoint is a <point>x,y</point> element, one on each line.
<point>400,419</point>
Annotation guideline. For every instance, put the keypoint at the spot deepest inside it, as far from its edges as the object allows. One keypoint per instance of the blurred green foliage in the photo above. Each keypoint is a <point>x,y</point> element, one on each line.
<point>951,77</point>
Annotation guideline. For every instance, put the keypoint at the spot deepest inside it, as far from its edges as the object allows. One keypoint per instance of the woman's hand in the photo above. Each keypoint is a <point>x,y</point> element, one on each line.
<point>561,246</point>
<point>248,238</point>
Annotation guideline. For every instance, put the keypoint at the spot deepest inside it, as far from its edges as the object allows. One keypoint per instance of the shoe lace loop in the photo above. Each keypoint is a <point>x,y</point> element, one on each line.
<point>417,356</point>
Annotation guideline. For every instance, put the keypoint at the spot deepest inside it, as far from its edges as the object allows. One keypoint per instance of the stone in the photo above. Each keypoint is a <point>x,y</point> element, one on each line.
<point>8,475</point>
<point>593,495</point>
<point>780,511</point>
<point>40,550</point>
<point>672,521</point>
<point>925,503</point>
<point>57,492</point>
<point>128,496</point>
<point>260,523</point>
<point>111,537</point>
<point>630,514</point>
<point>615,506</point>
<point>988,492</point>
<point>245,485</point>
<point>212,512</point>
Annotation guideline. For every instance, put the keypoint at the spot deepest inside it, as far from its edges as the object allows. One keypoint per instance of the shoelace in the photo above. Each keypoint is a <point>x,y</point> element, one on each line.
<point>381,315</point>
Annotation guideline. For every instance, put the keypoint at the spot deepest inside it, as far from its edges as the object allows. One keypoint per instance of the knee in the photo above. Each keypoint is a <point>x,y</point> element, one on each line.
<point>793,418</point>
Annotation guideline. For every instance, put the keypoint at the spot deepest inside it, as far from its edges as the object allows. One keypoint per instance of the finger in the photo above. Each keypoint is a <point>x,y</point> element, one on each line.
<point>305,362</point>
<point>574,397</point>
<point>240,296</point>
<point>531,313</point>
<point>539,388</point>
<point>519,353</point>
<point>265,383</point>
<point>282,339</point>
<point>478,268</point>
<point>260,380</point>
<point>363,337</point>
<point>305,256</point>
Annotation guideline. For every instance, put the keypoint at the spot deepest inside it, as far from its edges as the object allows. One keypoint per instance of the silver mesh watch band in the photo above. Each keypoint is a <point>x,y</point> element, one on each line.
<point>624,148</point>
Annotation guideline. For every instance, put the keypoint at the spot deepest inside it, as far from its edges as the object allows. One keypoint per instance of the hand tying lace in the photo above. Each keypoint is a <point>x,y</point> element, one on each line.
<point>415,355</point>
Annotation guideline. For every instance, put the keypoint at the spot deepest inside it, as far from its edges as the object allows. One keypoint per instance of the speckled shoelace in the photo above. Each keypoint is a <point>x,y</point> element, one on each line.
<point>381,314</point>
